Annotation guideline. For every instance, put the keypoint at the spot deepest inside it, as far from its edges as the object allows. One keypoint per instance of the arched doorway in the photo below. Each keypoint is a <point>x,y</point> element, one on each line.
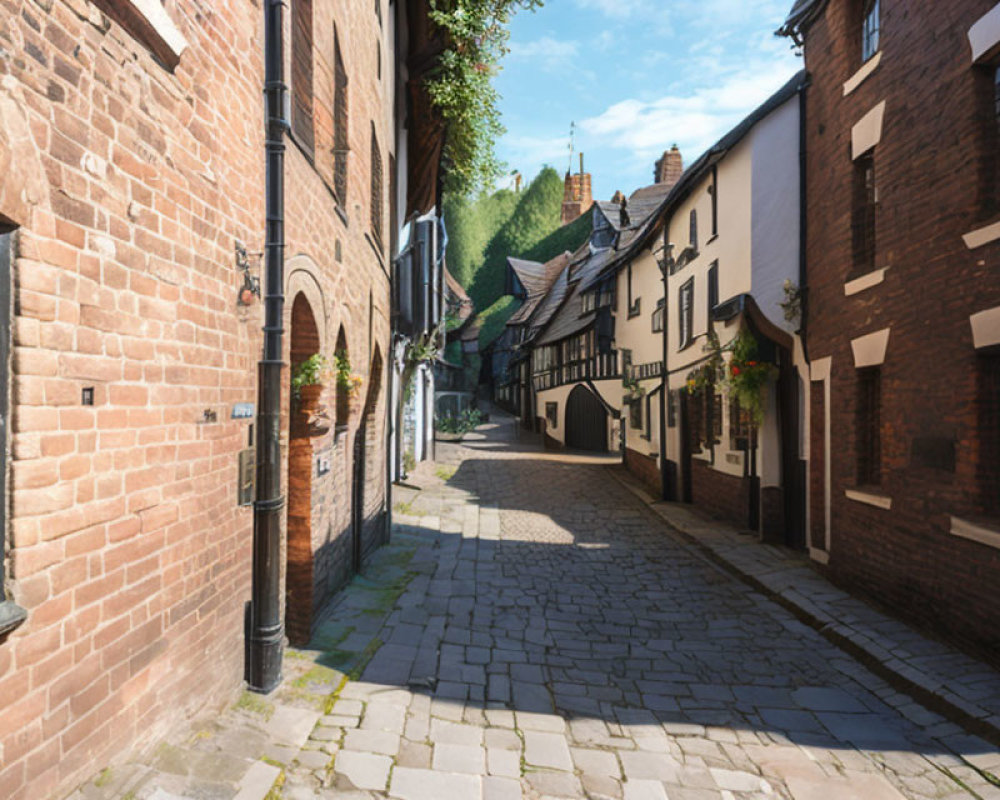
<point>299,579</point>
<point>367,526</point>
<point>586,421</point>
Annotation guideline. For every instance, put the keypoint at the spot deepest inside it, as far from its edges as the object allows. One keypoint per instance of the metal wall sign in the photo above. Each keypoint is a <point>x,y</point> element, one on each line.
<point>243,411</point>
<point>247,477</point>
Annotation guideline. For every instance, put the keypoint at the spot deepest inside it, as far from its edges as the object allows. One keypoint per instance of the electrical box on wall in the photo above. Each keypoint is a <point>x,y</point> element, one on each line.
<point>247,477</point>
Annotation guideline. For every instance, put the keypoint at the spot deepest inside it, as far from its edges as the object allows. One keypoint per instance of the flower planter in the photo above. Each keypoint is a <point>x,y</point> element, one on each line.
<point>441,436</point>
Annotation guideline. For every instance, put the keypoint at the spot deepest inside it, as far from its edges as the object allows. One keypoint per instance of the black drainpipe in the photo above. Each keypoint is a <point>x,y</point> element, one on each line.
<point>803,219</point>
<point>266,632</point>
<point>665,489</point>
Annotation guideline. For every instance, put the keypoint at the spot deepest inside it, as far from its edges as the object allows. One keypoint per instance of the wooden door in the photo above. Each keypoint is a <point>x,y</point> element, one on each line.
<point>586,421</point>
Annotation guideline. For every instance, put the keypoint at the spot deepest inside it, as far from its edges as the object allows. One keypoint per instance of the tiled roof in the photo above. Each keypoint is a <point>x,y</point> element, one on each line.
<point>530,273</point>
<point>549,272</point>
<point>802,13</point>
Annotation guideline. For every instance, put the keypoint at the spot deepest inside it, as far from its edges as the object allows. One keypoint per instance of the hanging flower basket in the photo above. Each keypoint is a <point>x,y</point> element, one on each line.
<point>746,377</point>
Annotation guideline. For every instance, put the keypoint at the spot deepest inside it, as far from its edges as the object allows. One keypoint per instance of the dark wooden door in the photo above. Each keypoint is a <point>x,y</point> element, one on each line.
<point>586,421</point>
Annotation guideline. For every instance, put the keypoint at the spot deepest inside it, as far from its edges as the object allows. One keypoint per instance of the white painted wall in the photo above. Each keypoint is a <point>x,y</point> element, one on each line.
<point>775,210</point>
<point>610,391</point>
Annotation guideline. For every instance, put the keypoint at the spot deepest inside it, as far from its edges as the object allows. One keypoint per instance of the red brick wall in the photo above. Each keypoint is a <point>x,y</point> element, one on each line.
<point>723,496</point>
<point>932,168</point>
<point>129,551</point>
<point>645,469</point>
<point>130,185</point>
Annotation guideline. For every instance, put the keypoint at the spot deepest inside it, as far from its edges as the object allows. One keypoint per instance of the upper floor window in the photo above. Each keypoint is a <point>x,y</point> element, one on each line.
<point>713,190</point>
<point>302,74</point>
<point>658,316</point>
<point>693,234</point>
<point>685,315</point>
<point>340,143</point>
<point>863,216</point>
<point>377,198</point>
<point>870,29</point>
<point>633,302</point>
<point>713,287</point>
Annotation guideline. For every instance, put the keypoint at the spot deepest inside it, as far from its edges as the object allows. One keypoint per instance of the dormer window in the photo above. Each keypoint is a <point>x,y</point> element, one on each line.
<point>870,29</point>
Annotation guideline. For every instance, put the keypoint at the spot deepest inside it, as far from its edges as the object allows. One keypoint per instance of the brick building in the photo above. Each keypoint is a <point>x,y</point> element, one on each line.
<point>903,304</point>
<point>131,163</point>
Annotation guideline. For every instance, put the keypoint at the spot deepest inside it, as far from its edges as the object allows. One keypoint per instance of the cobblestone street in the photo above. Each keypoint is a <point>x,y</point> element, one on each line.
<point>535,631</point>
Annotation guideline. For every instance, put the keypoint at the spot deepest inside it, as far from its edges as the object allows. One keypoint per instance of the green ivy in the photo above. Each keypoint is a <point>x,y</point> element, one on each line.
<point>461,85</point>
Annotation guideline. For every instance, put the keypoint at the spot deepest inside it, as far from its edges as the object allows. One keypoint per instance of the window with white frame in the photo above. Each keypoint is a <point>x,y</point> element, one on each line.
<point>870,29</point>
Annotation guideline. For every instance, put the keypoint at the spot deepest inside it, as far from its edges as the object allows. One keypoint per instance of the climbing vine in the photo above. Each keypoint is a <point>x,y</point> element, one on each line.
<point>461,85</point>
<point>745,376</point>
<point>748,377</point>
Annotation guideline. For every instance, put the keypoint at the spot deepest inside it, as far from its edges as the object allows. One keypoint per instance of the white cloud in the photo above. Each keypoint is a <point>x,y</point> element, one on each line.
<point>694,120</point>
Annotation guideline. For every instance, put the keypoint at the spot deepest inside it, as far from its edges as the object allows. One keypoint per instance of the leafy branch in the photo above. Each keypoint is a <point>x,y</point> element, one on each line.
<point>461,86</point>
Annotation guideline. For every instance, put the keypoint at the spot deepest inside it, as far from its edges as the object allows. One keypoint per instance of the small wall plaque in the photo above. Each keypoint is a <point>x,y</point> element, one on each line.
<point>322,465</point>
<point>243,411</point>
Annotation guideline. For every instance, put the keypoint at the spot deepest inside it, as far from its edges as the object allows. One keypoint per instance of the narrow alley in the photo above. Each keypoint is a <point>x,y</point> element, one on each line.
<point>534,631</point>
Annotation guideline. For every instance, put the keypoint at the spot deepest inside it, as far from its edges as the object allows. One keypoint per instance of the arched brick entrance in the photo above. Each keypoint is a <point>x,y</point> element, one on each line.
<point>299,563</point>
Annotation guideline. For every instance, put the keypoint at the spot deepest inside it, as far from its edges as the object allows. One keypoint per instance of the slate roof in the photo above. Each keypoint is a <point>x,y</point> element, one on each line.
<point>548,272</point>
<point>801,15</point>
<point>530,273</point>
<point>458,298</point>
<point>569,318</point>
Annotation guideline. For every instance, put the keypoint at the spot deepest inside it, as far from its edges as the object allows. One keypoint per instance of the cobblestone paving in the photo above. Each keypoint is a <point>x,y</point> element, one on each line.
<point>534,631</point>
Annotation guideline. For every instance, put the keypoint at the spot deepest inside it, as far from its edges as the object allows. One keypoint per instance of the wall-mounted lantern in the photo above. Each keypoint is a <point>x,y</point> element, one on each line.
<point>251,283</point>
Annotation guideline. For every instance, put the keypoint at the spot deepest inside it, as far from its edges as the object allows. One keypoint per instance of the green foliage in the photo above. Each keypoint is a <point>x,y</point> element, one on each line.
<point>567,238</point>
<point>538,214</point>
<point>468,420</point>
<point>461,86</point>
<point>494,319</point>
<point>472,222</point>
<point>311,372</point>
<point>748,377</point>
<point>712,371</point>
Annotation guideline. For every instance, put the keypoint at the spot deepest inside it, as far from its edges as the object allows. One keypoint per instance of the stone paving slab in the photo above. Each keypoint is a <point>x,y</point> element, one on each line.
<point>954,683</point>
<point>564,642</point>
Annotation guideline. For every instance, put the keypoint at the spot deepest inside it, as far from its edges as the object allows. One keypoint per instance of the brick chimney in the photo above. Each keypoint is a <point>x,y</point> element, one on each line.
<point>669,168</point>
<point>577,196</point>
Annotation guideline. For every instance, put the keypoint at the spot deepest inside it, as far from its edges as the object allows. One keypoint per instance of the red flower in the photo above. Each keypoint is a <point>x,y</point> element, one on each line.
<point>736,370</point>
<point>751,363</point>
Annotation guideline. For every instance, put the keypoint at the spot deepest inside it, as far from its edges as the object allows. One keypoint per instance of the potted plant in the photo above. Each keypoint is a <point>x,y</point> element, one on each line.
<point>748,377</point>
<point>633,390</point>
<point>308,378</point>
<point>453,428</point>
<point>348,383</point>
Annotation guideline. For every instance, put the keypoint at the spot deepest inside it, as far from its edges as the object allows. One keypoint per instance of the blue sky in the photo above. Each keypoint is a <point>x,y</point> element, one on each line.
<point>635,76</point>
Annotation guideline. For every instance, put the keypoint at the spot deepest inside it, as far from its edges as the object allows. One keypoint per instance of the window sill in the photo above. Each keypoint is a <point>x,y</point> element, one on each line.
<point>858,282</point>
<point>859,77</point>
<point>149,23</point>
<point>869,498</point>
<point>987,534</point>
<point>11,617</point>
<point>982,236</point>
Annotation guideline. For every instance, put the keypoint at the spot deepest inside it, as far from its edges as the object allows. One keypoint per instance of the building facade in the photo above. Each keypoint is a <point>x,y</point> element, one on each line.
<point>132,212</point>
<point>903,304</point>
